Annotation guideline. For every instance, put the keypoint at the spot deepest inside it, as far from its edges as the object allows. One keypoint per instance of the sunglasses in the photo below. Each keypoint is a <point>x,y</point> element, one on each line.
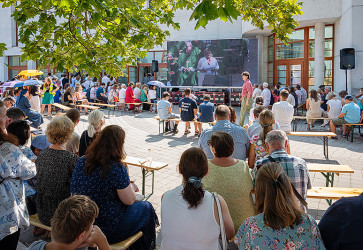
<point>209,142</point>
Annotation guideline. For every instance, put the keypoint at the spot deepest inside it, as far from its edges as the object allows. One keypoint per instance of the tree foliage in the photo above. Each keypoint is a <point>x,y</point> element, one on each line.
<point>96,35</point>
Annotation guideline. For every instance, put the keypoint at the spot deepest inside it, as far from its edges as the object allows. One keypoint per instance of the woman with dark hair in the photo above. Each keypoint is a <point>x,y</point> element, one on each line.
<point>258,102</point>
<point>292,92</point>
<point>23,103</point>
<point>102,175</point>
<point>280,223</point>
<point>14,167</point>
<point>189,215</point>
<point>230,178</point>
<point>313,108</point>
<point>34,100</point>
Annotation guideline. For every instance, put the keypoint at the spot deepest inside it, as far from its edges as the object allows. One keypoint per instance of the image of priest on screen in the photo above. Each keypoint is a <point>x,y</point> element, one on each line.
<point>207,65</point>
<point>187,63</point>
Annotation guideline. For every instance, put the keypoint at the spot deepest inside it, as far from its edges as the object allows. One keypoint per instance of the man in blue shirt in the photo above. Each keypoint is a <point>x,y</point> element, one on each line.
<point>165,112</point>
<point>100,93</point>
<point>239,134</point>
<point>350,115</point>
<point>206,110</point>
<point>341,225</point>
<point>188,110</point>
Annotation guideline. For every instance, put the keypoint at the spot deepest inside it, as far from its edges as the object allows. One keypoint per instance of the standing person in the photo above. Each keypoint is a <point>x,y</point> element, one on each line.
<point>35,99</point>
<point>230,178</point>
<point>143,98</point>
<point>246,103</point>
<point>122,96</point>
<point>266,94</point>
<point>188,210</point>
<point>165,112</point>
<point>206,110</point>
<point>284,112</point>
<point>48,95</point>
<point>54,168</point>
<point>102,175</point>
<point>207,65</point>
<point>241,139</point>
<point>350,114</point>
<point>313,108</point>
<point>298,94</point>
<point>105,78</point>
<point>279,223</point>
<point>15,167</point>
<point>87,83</point>
<point>137,90</point>
<point>152,96</point>
<point>96,120</point>
<point>24,104</point>
<point>188,110</point>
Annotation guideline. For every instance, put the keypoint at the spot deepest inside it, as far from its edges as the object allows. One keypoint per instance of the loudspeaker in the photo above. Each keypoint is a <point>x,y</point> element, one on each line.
<point>347,58</point>
<point>155,66</point>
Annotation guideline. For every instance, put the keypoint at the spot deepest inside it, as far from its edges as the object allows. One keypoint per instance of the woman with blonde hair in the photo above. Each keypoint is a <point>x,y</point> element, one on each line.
<point>280,223</point>
<point>54,168</point>
<point>96,120</point>
<point>48,92</point>
<point>80,98</point>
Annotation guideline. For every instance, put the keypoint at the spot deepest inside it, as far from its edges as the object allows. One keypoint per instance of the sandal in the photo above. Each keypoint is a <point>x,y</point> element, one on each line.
<point>309,129</point>
<point>196,133</point>
<point>186,132</point>
<point>344,135</point>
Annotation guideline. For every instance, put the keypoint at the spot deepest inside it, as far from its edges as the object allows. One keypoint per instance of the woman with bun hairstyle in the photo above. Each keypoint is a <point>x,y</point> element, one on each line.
<point>96,120</point>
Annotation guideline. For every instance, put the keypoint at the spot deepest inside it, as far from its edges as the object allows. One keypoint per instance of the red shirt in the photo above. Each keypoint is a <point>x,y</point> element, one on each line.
<point>247,87</point>
<point>128,96</point>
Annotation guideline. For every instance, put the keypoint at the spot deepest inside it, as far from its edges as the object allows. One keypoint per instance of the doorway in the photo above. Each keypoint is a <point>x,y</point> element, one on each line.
<point>291,73</point>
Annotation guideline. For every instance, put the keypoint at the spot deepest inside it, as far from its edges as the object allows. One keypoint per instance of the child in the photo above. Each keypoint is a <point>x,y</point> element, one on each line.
<point>72,226</point>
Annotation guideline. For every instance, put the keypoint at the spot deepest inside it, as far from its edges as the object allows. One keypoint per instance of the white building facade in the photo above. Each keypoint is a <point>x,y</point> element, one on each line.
<point>312,58</point>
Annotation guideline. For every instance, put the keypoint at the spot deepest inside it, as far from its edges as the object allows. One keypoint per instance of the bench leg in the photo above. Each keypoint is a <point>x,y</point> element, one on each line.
<point>326,146</point>
<point>144,173</point>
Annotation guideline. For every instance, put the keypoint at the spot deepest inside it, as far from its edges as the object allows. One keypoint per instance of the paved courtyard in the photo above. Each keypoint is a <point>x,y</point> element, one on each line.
<point>142,134</point>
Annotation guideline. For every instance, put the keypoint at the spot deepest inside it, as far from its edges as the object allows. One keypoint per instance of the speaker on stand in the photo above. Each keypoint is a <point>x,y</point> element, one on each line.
<point>347,61</point>
<point>155,66</point>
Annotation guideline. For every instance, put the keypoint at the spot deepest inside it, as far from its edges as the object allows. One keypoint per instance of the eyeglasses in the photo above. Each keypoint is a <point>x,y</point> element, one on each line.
<point>209,142</point>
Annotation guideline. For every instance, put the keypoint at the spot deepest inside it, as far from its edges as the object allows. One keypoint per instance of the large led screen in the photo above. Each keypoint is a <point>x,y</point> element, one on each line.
<point>212,62</point>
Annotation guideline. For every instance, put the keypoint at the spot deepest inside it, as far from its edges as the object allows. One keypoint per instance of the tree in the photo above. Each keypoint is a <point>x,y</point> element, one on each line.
<point>96,35</point>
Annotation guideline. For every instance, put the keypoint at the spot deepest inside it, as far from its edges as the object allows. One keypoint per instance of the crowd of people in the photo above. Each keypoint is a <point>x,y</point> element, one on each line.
<point>240,181</point>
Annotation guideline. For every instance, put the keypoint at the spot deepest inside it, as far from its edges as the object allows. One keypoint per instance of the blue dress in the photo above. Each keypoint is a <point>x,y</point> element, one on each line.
<point>116,220</point>
<point>35,117</point>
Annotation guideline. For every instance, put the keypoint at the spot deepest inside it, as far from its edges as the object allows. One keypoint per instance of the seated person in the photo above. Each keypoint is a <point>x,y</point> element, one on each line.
<point>73,144</point>
<point>233,116</point>
<point>72,226</point>
<point>341,225</point>
<point>165,112</point>
<point>239,134</point>
<point>23,103</point>
<point>189,215</point>
<point>9,101</point>
<point>258,102</point>
<point>54,168</point>
<point>188,110</point>
<point>279,223</point>
<point>68,96</point>
<point>39,143</point>
<point>206,110</point>
<point>350,114</point>
<point>130,97</point>
<point>96,120</point>
<point>284,112</point>
<point>102,175</point>
<point>255,127</point>
<point>258,148</point>
<point>229,178</point>
<point>14,114</point>
<point>100,93</point>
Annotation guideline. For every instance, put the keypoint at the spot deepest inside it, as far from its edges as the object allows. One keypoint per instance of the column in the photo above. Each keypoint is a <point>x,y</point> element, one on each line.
<point>3,69</point>
<point>319,54</point>
<point>260,58</point>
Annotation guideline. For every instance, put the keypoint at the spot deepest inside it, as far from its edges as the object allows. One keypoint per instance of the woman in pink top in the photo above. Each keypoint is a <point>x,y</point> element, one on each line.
<point>247,101</point>
<point>130,98</point>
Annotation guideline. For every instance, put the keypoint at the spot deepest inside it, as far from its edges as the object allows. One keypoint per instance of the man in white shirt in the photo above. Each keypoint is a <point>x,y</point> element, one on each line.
<point>105,79</point>
<point>284,112</point>
<point>266,94</point>
<point>256,91</point>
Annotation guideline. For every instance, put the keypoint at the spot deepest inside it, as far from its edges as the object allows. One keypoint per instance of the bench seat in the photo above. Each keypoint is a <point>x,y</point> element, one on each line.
<point>61,106</point>
<point>333,193</point>
<point>87,106</point>
<point>34,220</point>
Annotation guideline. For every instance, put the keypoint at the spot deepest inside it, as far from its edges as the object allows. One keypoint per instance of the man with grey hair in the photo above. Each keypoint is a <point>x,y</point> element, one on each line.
<point>295,168</point>
<point>266,94</point>
<point>239,134</point>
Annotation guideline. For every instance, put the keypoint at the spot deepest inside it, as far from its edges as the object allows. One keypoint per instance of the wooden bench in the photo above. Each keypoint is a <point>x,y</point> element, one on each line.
<point>176,119</point>
<point>142,163</point>
<point>87,106</point>
<point>323,135</point>
<point>61,106</point>
<point>353,126</point>
<point>34,220</point>
<point>109,106</point>
<point>297,117</point>
<point>333,193</point>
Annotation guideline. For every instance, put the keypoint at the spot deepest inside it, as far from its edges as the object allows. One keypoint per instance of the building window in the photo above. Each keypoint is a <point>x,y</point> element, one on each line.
<point>15,66</point>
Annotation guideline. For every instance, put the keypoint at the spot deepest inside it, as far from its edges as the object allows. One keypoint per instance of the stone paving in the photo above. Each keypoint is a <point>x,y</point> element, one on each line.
<point>142,134</point>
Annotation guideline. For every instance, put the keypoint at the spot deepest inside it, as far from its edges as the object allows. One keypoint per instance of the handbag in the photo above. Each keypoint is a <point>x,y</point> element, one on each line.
<point>221,222</point>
